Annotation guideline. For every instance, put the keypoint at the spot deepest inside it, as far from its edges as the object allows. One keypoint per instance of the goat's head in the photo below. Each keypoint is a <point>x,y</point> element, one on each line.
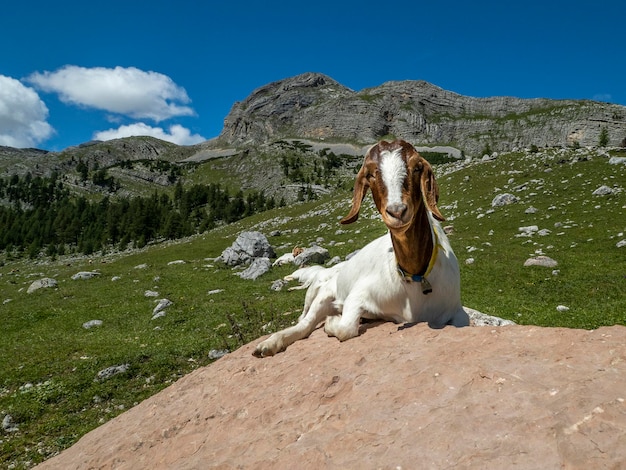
<point>402,183</point>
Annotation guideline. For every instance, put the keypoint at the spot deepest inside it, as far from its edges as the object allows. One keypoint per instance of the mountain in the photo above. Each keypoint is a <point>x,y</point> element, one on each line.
<point>314,106</point>
<point>309,130</point>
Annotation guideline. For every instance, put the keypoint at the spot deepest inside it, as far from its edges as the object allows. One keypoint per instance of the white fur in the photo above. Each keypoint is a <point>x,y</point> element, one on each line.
<point>393,170</point>
<point>369,286</point>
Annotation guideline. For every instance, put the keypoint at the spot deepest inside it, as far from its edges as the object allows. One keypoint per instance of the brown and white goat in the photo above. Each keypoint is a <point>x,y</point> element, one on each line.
<point>408,275</point>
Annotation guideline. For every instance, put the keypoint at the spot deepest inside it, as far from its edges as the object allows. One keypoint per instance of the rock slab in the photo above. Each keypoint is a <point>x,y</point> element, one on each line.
<point>395,397</point>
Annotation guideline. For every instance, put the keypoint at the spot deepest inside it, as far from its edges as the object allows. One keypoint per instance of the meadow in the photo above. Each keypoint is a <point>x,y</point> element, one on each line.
<point>49,362</point>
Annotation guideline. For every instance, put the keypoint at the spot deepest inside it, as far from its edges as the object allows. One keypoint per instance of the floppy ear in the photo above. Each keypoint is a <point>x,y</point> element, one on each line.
<point>430,190</point>
<point>360,189</point>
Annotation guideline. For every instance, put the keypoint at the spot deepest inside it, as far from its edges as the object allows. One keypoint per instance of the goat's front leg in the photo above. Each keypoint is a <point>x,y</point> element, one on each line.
<point>320,307</point>
<point>346,325</point>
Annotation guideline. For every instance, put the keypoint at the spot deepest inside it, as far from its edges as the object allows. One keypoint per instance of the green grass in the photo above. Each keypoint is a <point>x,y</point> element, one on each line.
<point>46,346</point>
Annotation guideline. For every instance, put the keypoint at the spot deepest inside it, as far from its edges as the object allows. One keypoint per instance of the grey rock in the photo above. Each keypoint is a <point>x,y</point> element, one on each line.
<point>162,304</point>
<point>504,199</point>
<point>543,261</point>
<point>85,275</point>
<point>150,293</point>
<point>41,283</point>
<point>217,353</point>
<point>257,268</point>
<point>91,323</point>
<point>109,372</point>
<point>617,160</point>
<point>482,319</point>
<point>312,255</point>
<point>8,424</point>
<point>621,243</point>
<point>247,246</point>
<point>603,191</point>
<point>278,285</point>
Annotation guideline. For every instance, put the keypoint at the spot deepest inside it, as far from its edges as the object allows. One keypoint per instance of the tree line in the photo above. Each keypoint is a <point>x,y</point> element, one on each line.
<point>40,214</point>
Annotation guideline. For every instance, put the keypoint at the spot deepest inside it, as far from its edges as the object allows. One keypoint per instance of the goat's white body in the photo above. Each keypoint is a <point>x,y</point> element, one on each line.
<point>368,285</point>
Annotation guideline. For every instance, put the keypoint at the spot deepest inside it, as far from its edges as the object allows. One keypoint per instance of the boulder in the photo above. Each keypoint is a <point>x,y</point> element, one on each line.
<point>85,275</point>
<point>398,396</point>
<point>504,199</point>
<point>544,261</point>
<point>247,246</point>
<point>312,255</point>
<point>257,268</point>
<point>41,283</point>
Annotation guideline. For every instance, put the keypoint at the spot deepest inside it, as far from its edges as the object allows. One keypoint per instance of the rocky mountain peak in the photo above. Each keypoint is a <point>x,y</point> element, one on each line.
<point>314,106</point>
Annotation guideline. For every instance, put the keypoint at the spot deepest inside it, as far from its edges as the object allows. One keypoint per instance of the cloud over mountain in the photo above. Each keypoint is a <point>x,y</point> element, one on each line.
<point>175,133</point>
<point>126,91</point>
<point>23,115</point>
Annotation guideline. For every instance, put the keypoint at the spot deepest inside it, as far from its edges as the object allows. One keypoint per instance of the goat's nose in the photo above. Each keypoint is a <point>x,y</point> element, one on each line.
<point>396,210</point>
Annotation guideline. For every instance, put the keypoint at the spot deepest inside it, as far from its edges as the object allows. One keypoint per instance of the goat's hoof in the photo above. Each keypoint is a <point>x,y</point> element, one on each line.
<point>267,348</point>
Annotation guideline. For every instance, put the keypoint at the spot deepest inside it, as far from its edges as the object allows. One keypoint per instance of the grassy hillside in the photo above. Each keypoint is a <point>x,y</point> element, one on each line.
<point>49,361</point>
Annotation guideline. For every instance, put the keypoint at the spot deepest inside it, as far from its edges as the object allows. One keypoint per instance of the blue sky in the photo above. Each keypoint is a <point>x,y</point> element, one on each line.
<point>75,71</point>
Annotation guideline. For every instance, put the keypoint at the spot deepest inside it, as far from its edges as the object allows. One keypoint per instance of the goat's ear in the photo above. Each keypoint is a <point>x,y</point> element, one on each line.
<point>360,190</point>
<point>430,190</point>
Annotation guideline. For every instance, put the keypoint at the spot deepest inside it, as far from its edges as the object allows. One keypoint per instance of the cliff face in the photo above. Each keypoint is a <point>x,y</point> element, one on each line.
<point>317,107</point>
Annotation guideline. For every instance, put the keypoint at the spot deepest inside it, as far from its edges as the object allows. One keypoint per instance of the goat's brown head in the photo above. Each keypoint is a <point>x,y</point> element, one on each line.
<point>401,182</point>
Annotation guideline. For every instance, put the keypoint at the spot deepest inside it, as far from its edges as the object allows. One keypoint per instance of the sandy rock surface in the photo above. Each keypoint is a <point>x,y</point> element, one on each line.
<point>395,397</point>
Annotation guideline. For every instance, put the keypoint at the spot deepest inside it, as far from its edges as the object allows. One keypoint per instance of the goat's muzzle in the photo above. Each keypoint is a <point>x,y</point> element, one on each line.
<point>397,211</point>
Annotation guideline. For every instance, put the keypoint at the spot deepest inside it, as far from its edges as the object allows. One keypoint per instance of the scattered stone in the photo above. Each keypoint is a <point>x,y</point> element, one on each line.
<point>333,261</point>
<point>85,275</point>
<point>247,246</point>
<point>544,232</point>
<point>258,267</point>
<point>621,243</point>
<point>162,304</point>
<point>469,261</point>
<point>278,285</point>
<point>91,323</point>
<point>617,160</point>
<point>217,353</point>
<point>150,293</point>
<point>313,255</point>
<point>8,424</point>
<point>529,230</point>
<point>158,315</point>
<point>215,291</point>
<point>562,308</point>
<point>603,191</point>
<point>109,372</point>
<point>178,261</point>
<point>141,266</point>
<point>531,210</point>
<point>504,199</point>
<point>41,283</point>
<point>116,278</point>
<point>482,319</point>
<point>544,261</point>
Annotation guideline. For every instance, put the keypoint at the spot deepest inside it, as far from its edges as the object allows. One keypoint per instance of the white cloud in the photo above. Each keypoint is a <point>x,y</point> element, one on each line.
<point>23,116</point>
<point>177,134</point>
<point>127,91</point>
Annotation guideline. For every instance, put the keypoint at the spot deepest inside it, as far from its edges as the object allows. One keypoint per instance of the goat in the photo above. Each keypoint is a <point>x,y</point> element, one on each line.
<point>408,275</point>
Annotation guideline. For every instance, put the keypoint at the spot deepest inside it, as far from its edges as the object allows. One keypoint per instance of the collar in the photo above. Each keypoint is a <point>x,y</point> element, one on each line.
<point>421,278</point>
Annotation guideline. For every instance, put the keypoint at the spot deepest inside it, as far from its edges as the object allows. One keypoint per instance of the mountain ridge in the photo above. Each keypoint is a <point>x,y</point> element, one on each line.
<point>315,106</point>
